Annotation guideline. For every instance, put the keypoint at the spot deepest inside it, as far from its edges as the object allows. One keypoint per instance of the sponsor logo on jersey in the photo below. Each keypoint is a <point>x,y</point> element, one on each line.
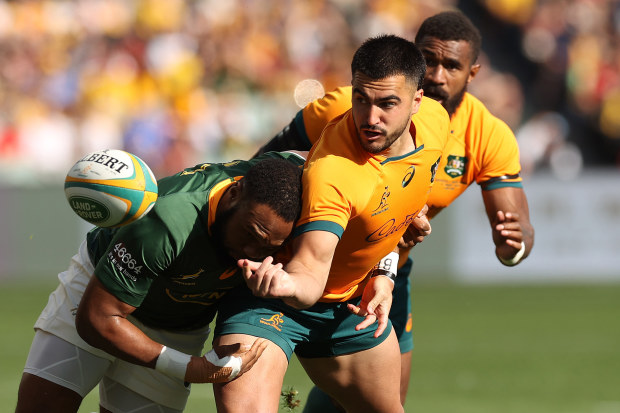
<point>390,227</point>
<point>206,298</point>
<point>274,321</point>
<point>434,169</point>
<point>124,261</point>
<point>455,166</point>
<point>383,204</point>
<point>408,176</point>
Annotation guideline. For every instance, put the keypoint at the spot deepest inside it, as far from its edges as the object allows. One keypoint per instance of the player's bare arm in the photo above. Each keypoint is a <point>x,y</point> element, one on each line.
<point>102,322</point>
<point>301,282</point>
<point>508,213</point>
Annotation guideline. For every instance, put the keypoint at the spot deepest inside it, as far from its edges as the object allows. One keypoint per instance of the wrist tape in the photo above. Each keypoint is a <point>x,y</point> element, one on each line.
<point>387,267</point>
<point>514,260</point>
<point>227,361</point>
<point>172,362</point>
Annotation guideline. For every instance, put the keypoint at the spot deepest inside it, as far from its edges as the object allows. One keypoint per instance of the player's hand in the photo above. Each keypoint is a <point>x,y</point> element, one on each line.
<point>266,279</point>
<point>508,230</point>
<point>419,229</point>
<point>375,304</point>
<point>201,370</point>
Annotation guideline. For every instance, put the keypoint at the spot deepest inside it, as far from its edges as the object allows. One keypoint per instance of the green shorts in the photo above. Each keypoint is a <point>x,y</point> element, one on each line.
<point>400,314</point>
<point>323,330</point>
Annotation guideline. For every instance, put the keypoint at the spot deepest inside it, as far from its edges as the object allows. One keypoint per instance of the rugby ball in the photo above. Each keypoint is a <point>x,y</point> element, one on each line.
<point>110,188</point>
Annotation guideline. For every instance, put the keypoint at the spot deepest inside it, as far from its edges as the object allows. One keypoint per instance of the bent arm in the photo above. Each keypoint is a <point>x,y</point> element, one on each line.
<point>102,322</point>
<point>301,282</point>
<point>509,216</point>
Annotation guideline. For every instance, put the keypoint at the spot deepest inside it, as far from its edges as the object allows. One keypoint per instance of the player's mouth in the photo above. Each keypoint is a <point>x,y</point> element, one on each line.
<point>372,134</point>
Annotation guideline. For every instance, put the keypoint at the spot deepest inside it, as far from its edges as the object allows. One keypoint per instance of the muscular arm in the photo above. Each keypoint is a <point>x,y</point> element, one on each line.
<point>301,282</point>
<point>509,216</point>
<point>102,322</point>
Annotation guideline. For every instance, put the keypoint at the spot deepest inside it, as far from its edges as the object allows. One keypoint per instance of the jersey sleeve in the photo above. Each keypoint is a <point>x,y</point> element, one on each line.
<point>499,163</point>
<point>137,253</point>
<point>324,206</point>
<point>318,113</point>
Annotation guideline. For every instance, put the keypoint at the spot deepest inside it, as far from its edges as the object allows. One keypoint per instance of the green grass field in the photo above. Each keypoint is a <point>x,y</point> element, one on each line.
<point>535,349</point>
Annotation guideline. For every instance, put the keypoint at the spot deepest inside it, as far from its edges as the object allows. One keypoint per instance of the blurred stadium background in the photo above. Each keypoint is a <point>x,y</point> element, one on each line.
<point>183,82</point>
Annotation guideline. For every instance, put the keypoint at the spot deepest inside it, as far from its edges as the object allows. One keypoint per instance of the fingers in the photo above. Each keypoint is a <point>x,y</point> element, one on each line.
<point>368,320</point>
<point>249,358</point>
<point>383,323</point>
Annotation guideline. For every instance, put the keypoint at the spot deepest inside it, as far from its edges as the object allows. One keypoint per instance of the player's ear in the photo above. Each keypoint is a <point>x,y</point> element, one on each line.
<point>235,192</point>
<point>473,71</point>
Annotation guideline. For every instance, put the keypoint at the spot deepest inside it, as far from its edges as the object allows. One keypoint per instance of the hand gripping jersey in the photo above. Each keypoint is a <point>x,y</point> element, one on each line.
<point>167,264</point>
<point>367,200</point>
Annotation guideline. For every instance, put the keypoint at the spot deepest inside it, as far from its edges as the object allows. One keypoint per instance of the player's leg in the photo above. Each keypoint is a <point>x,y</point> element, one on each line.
<point>258,390</point>
<point>365,381</point>
<point>116,398</point>
<point>319,402</point>
<point>400,316</point>
<point>57,375</point>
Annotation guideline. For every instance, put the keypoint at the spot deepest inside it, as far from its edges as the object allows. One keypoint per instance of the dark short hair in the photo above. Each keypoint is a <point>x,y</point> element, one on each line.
<point>451,25</point>
<point>277,184</point>
<point>388,55</point>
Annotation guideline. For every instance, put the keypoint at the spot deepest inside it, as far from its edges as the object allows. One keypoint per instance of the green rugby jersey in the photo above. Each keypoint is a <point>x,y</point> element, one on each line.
<point>167,264</point>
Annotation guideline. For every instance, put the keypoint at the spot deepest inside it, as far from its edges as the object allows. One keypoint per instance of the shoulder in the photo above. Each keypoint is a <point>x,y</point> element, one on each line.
<point>432,122</point>
<point>480,116</point>
<point>320,112</point>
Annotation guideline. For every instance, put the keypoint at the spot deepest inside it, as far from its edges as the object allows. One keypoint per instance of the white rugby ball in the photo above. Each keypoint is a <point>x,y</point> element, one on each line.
<point>110,188</point>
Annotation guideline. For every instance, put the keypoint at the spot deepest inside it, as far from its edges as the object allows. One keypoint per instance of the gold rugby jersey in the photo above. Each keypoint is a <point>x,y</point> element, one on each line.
<point>367,200</point>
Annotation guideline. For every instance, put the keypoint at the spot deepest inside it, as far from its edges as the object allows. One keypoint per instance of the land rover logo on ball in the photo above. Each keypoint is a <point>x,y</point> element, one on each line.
<point>89,209</point>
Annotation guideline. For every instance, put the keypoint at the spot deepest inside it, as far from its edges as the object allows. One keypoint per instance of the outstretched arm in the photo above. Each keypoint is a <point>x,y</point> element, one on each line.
<point>508,213</point>
<point>102,322</point>
<point>301,282</point>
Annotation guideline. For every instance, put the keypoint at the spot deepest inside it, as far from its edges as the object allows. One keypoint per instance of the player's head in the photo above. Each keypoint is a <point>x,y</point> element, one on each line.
<point>387,73</point>
<point>450,44</point>
<point>259,210</point>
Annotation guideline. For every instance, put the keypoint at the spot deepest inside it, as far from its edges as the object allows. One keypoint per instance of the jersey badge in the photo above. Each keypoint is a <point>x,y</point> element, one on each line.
<point>408,176</point>
<point>187,279</point>
<point>274,321</point>
<point>455,166</point>
<point>383,204</point>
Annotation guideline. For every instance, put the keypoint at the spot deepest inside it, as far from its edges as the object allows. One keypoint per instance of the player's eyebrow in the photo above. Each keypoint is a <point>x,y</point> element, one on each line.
<point>383,99</point>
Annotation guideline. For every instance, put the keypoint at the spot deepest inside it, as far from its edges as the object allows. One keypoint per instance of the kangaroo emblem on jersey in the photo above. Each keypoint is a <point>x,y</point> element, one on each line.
<point>274,321</point>
<point>383,204</point>
<point>455,165</point>
<point>408,176</point>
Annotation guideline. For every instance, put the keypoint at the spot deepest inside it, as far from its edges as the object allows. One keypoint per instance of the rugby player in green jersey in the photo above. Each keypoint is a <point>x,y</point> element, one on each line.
<point>138,326</point>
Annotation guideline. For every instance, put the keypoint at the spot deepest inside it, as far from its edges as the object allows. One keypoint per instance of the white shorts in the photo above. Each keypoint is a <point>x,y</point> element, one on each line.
<point>80,366</point>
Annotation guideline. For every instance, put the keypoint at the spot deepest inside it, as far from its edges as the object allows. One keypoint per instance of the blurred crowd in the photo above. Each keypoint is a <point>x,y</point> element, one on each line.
<point>179,82</point>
